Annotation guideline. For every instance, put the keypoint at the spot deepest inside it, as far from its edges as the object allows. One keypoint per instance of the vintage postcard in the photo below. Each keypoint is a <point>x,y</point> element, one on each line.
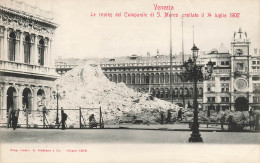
<point>129,81</point>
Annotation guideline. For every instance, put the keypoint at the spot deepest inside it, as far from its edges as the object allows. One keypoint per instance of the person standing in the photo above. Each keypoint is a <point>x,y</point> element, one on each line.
<point>64,117</point>
<point>251,120</point>
<point>15,118</point>
<point>169,115</point>
<point>44,112</point>
<point>208,112</point>
<point>231,124</point>
<point>222,120</point>
<point>180,114</point>
<point>161,117</point>
<point>9,120</point>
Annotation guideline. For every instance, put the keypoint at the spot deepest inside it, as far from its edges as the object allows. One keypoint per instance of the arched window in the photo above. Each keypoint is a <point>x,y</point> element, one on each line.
<point>166,93</point>
<point>167,79</point>
<point>124,78</point>
<point>152,78</point>
<point>161,78</point>
<point>12,43</point>
<point>157,93</point>
<point>161,93</point>
<point>27,49</point>
<point>138,79</point>
<point>152,92</point>
<point>147,79</point>
<point>110,77</point>
<point>119,78</point>
<point>115,78</point>
<point>128,79</point>
<point>142,79</point>
<point>41,52</point>
<point>133,78</point>
<point>173,79</point>
<point>156,78</point>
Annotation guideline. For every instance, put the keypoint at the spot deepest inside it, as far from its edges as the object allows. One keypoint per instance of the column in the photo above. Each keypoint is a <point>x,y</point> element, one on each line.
<point>250,84</point>
<point>21,54</point>
<point>1,99</point>
<point>45,58</point>
<point>20,98</point>
<point>35,54</point>
<point>48,59</point>
<point>34,100</point>
<point>15,96</point>
<point>51,62</point>
<point>4,106</point>
<point>1,43</point>
<point>5,45</point>
<point>47,97</point>
<point>17,47</point>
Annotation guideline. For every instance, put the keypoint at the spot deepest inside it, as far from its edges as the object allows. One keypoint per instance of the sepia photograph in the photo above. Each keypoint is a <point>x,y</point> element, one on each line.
<point>129,81</point>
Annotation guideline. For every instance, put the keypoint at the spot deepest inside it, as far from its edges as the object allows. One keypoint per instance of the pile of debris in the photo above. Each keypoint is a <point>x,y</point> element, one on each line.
<point>87,87</point>
<point>238,116</point>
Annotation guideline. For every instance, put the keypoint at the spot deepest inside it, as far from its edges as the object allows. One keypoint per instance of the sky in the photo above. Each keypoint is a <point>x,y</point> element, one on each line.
<point>80,35</point>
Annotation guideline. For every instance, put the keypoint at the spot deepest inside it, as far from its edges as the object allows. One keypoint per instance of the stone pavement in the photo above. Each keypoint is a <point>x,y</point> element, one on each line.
<point>175,126</point>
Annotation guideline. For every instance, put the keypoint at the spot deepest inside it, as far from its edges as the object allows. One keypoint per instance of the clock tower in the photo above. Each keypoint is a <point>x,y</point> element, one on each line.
<point>240,68</point>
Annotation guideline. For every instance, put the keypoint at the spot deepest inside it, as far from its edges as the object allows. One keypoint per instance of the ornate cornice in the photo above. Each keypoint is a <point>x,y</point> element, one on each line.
<point>27,15</point>
<point>16,20</point>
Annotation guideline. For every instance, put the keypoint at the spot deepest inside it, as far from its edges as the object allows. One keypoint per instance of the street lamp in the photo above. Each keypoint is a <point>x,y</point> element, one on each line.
<point>57,95</point>
<point>194,73</point>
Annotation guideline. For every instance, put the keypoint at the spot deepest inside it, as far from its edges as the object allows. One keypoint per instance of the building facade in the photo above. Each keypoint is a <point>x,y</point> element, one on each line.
<point>148,74</point>
<point>26,61</point>
<point>234,83</point>
<point>151,74</point>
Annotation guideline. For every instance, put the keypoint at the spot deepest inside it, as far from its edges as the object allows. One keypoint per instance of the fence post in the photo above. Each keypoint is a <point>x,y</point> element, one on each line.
<point>8,118</point>
<point>100,114</point>
<point>26,118</point>
<point>79,117</point>
<point>43,119</point>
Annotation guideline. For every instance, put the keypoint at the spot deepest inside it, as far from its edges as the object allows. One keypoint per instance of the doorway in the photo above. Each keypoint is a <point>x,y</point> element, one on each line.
<point>241,104</point>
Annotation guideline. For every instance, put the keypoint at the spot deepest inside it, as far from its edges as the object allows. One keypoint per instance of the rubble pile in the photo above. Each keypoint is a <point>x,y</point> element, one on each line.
<point>238,116</point>
<point>87,87</point>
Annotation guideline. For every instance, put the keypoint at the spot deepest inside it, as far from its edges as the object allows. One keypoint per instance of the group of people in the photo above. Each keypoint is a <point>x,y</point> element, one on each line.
<point>233,125</point>
<point>13,118</point>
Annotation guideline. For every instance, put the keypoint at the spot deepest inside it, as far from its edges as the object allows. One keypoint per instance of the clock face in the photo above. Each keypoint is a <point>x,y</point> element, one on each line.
<point>241,84</point>
<point>239,52</point>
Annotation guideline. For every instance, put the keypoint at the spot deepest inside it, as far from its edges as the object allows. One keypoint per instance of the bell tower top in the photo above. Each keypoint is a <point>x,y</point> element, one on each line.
<point>240,43</point>
<point>240,37</point>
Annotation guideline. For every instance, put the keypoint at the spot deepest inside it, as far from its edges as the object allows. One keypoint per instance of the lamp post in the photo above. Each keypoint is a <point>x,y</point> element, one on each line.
<point>58,96</point>
<point>194,73</point>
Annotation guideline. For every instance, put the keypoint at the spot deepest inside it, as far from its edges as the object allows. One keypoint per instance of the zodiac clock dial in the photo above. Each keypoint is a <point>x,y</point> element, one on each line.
<point>239,52</point>
<point>241,84</point>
